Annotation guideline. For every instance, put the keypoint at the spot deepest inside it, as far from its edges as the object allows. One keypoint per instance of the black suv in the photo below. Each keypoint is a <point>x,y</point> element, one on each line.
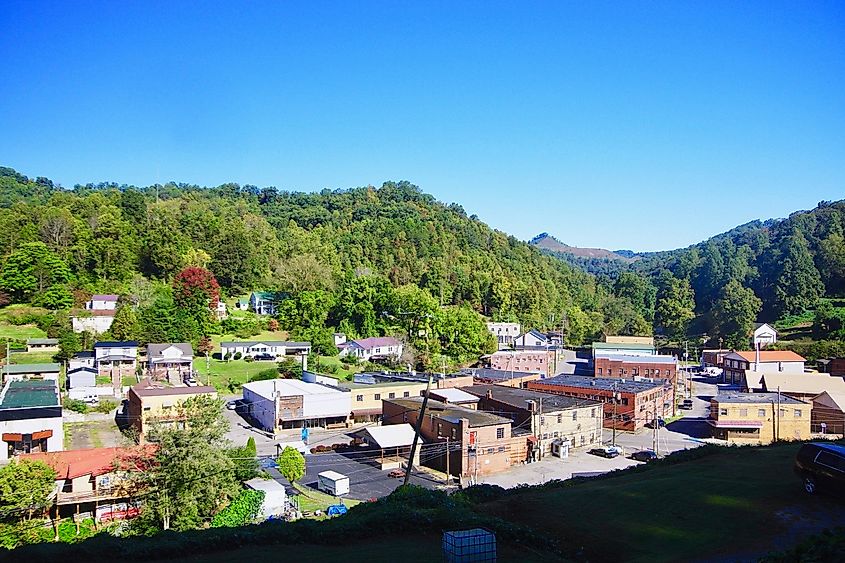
<point>264,357</point>
<point>821,466</point>
<point>644,455</point>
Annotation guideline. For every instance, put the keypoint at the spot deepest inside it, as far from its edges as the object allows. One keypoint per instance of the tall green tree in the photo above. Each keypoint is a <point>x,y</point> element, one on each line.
<point>675,308</point>
<point>25,487</point>
<point>735,311</point>
<point>31,270</point>
<point>125,323</point>
<point>799,286</point>
<point>291,465</point>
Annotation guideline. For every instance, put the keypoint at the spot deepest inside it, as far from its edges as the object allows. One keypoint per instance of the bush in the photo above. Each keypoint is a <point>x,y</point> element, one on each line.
<point>249,359</point>
<point>228,356</point>
<point>105,406</point>
<point>264,375</point>
<point>75,405</point>
<point>237,356</point>
<point>244,509</point>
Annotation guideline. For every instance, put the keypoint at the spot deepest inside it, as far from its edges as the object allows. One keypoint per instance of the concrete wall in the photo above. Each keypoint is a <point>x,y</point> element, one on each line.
<point>261,409</point>
<point>97,325</point>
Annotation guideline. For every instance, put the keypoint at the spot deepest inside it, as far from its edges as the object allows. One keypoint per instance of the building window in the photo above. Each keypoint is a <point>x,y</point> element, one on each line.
<point>574,415</point>
<point>439,429</point>
<point>454,433</point>
<point>797,413</point>
<point>781,412</point>
<point>723,412</point>
<point>635,371</point>
<point>593,413</point>
<point>761,412</point>
<point>500,433</point>
<point>599,371</point>
<point>542,421</point>
<point>556,434</point>
<point>609,371</point>
<point>391,396</point>
<point>378,397</point>
<point>625,400</point>
<point>545,436</point>
<point>359,398</point>
<point>559,418</point>
<point>406,394</point>
<point>743,412</point>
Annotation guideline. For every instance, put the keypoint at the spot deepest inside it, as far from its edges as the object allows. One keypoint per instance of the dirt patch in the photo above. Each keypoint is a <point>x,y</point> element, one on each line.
<point>95,434</point>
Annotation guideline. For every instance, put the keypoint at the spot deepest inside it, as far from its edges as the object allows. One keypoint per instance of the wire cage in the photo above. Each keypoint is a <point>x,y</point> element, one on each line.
<point>463,546</point>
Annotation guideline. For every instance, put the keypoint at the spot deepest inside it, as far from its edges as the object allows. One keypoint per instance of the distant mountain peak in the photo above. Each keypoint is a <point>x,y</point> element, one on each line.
<point>546,241</point>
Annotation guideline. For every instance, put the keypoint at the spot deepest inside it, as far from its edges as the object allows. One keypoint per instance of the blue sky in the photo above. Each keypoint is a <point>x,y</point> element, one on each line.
<point>648,125</point>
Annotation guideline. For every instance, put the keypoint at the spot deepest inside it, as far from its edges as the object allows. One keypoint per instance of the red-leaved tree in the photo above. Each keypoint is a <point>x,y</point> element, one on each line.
<point>195,288</point>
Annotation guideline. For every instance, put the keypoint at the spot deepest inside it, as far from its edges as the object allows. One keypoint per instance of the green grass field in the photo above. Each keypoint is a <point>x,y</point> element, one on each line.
<point>20,332</point>
<point>32,357</point>
<point>311,500</point>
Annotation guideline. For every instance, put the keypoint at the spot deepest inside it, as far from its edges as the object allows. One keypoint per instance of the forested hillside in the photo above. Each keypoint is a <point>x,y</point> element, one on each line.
<point>365,261</point>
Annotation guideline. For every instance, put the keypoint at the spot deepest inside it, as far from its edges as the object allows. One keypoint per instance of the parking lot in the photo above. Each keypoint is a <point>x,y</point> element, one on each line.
<point>365,481</point>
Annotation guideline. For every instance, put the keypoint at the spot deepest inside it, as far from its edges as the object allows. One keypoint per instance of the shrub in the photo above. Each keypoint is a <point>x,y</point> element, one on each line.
<point>237,356</point>
<point>264,375</point>
<point>75,405</point>
<point>249,359</point>
<point>105,406</point>
<point>228,356</point>
<point>244,509</point>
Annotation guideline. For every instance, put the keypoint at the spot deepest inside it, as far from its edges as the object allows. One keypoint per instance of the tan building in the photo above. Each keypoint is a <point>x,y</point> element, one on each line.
<point>829,413</point>
<point>801,386</point>
<point>154,403</point>
<point>554,420</point>
<point>758,418</point>
<point>367,397</point>
<point>647,340</point>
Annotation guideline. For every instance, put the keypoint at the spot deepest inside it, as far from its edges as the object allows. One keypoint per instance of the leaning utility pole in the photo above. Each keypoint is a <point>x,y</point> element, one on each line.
<point>417,431</point>
<point>614,414</point>
<point>777,428</point>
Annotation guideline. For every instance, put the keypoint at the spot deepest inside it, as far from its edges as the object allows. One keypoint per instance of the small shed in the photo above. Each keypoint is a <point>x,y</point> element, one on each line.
<point>391,444</point>
<point>275,496</point>
<point>81,377</point>
<point>333,483</point>
<point>42,345</point>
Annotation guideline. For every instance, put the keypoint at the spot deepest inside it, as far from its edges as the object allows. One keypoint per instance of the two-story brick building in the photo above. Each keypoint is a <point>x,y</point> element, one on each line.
<point>758,418</point>
<point>620,365</point>
<point>479,443</point>
<point>524,361</point>
<point>150,403</point>
<point>551,418</point>
<point>735,364</point>
<point>628,404</point>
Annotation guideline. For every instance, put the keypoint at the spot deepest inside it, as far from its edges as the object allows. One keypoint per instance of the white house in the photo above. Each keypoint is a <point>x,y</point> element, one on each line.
<point>84,359</point>
<point>290,403</point>
<point>531,338</point>
<point>763,335</point>
<point>220,311</point>
<point>275,496</point>
<point>173,362</point>
<point>264,302</point>
<point>96,322</point>
<point>377,348</point>
<point>81,377</point>
<point>30,418</point>
<point>275,348</point>
<point>505,333</point>
<point>102,303</point>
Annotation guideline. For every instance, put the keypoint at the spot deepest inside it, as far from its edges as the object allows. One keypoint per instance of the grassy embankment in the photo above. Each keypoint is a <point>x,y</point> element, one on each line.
<point>702,504</point>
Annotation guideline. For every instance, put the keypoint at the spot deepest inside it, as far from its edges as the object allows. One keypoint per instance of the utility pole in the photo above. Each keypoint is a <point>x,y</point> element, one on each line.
<point>447,460</point>
<point>777,428</point>
<point>417,431</point>
<point>614,414</point>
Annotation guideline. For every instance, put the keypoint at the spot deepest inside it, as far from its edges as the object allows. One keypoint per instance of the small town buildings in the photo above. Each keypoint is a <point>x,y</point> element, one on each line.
<point>242,304</point>
<point>482,443</point>
<point>116,360</point>
<point>505,333</point>
<point>274,502</point>
<point>42,345</point>
<point>220,311</point>
<point>532,338</point>
<point>524,361</point>
<point>173,362</point>
<point>758,418</point>
<point>628,404</point>
<point>366,397</point>
<point>93,321</point>
<point>736,363</point>
<point>836,367</point>
<point>619,365</point>
<point>454,396</point>
<point>95,480</point>
<point>828,416</point>
<point>502,377</point>
<point>625,345</point>
<point>275,348</point>
<point>30,417</point>
<point>81,377</point>
<point>14,372</point>
<point>554,420</point>
<point>373,349</point>
<point>265,302</point>
<point>100,302</point>
<point>762,335</point>
<point>150,403</point>
<point>339,338</point>
<point>388,446</point>
<point>713,358</point>
<point>84,359</point>
<point>801,386</point>
<point>277,404</point>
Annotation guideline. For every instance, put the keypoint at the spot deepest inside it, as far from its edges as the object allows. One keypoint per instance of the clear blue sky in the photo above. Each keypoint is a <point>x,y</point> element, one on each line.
<point>642,125</point>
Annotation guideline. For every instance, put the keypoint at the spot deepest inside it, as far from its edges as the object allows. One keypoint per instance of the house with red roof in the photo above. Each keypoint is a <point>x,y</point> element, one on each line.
<point>374,349</point>
<point>97,480</point>
<point>736,363</point>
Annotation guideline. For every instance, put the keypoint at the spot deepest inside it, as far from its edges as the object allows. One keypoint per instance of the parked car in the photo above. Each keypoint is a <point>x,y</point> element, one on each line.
<point>686,404</point>
<point>264,357</point>
<point>660,423</point>
<point>233,404</point>
<point>821,467</point>
<point>397,473</point>
<point>644,455</point>
<point>604,452</point>
<point>191,382</point>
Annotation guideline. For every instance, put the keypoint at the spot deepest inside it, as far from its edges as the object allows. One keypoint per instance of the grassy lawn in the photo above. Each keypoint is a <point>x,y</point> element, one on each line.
<point>33,357</point>
<point>310,499</point>
<point>343,373</point>
<point>673,512</point>
<point>236,371</point>
<point>20,332</point>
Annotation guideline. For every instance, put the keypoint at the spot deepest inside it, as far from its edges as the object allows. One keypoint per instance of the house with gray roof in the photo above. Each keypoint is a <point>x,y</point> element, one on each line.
<point>275,348</point>
<point>172,362</point>
<point>373,349</point>
<point>42,345</point>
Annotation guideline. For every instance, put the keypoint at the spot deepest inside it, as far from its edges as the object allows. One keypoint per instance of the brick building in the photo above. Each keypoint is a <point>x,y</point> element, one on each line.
<point>628,405</point>
<point>524,361</point>
<point>735,364</point>
<point>480,443</point>
<point>618,365</point>
<point>551,418</point>
<point>758,418</point>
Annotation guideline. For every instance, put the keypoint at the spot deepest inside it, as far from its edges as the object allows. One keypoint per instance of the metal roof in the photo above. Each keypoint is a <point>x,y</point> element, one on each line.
<point>454,395</point>
<point>236,343</point>
<point>602,383</point>
<point>126,344</point>
<point>43,341</point>
<point>392,435</point>
<point>450,413</point>
<point>30,393</point>
<point>519,397</point>
<point>31,368</point>
<point>755,398</point>
<point>622,346</point>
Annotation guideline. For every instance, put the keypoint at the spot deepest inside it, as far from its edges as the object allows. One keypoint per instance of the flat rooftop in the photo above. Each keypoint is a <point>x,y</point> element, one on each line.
<point>499,374</point>
<point>621,346</point>
<point>650,358</point>
<point>754,398</point>
<point>600,383</point>
<point>519,397</point>
<point>148,388</point>
<point>450,413</point>
<point>30,393</point>
<point>289,387</point>
<point>378,384</point>
<point>31,368</point>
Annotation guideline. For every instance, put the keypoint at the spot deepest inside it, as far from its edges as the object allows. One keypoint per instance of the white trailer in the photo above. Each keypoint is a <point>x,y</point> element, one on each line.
<point>333,483</point>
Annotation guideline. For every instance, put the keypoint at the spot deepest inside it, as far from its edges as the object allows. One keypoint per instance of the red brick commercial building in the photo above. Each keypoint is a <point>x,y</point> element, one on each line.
<point>524,361</point>
<point>616,365</point>
<point>635,404</point>
<point>479,443</point>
